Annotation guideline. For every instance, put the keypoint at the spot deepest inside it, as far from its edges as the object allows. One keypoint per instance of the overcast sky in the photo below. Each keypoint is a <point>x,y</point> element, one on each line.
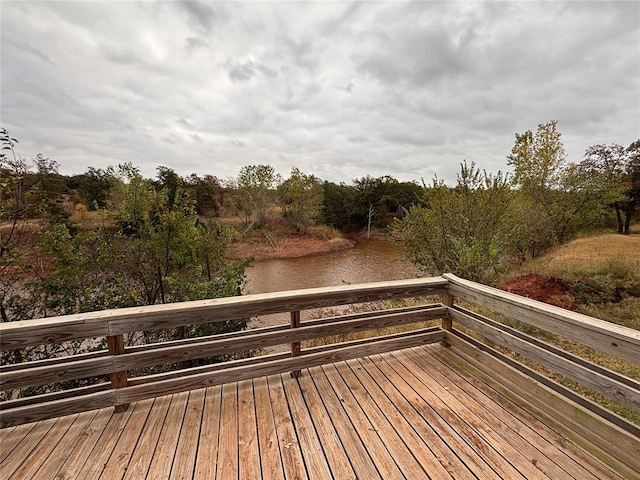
<point>338,89</point>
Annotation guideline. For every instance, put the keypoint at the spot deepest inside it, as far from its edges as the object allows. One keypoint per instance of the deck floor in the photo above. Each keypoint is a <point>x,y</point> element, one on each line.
<point>405,414</point>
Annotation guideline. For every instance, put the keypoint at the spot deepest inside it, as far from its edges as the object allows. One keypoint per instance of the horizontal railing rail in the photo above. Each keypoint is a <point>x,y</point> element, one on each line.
<point>119,360</point>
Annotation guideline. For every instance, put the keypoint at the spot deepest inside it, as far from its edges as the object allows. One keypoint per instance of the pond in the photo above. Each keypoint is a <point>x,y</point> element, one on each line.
<point>373,261</point>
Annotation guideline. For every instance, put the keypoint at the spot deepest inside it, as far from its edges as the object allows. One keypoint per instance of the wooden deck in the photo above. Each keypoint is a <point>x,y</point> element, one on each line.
<point>405,414</point>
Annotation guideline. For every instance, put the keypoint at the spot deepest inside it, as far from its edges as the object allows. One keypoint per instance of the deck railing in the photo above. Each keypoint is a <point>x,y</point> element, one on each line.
<point>473,344</point>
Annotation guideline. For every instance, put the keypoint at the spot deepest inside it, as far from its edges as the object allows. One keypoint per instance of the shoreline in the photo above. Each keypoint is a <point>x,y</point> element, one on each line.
<point>288,247</point>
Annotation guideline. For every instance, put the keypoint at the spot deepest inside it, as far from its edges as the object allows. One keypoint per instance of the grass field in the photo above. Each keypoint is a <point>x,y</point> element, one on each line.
<point>603,272</point>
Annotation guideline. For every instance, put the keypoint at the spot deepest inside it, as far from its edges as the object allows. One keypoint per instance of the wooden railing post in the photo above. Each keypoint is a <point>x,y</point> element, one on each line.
<point>447,321</point>
<point>118,379</point>
<point>295,346</point>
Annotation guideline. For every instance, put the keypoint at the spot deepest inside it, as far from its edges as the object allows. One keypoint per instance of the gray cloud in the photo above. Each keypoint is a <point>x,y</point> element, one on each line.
<point>341,90</point>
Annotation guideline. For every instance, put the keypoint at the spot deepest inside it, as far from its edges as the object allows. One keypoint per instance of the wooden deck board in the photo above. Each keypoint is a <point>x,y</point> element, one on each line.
<point>407,414</point>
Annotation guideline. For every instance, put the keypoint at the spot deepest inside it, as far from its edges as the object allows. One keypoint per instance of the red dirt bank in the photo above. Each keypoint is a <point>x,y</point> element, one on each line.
<point>548,290</point>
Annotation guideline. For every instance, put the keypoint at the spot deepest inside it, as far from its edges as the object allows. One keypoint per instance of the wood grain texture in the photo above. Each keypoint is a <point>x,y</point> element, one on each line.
<point>207,379</point>
<point>607,337</point>
<point>620,392</point>
<point>617,448</point>
<point>21,334</point>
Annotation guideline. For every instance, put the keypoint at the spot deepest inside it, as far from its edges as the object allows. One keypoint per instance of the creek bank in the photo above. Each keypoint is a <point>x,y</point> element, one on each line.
<point>548,290</point>
<point>288,247</point>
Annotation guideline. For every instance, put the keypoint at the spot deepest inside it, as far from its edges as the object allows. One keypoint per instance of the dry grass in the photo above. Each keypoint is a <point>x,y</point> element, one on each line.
<point>590,253</point>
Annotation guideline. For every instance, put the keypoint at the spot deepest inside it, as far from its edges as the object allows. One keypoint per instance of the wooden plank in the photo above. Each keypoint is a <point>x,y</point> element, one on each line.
<point>148,441</point>
<point>21,451</point>
<point>62,450</point>
<point>44,448</point>
<point>473,461</point>
<point>11,437</point>
<point>207,379</point>
<point>15,335</point>
<point>401,423</point>
<point>610,444</point>
<point>508,461</point>
<point>378,452</point>
<point>118,461</point>
<point>310,445</point>
<point>81,451</point>
<point>616,340</point>
<point>591,378</point>
<point>551,348</point>
<point>392,436</point>
<point>228,462</point>
<point>207,455</point>
<point>165,452</point>
<point>403,397</point>
<point>49,397</point>
<point>317,388</point>
<point>187,449</point>
<point>249,452</point>
<point>101,452</point>
<point>270,461</point>
<point>118,378</point>
<point>556,457</point>
<point>295,346</point>
<point>333,449</point>
<point>117,364</point>
<point>57,408</point>
<point>292,461</point>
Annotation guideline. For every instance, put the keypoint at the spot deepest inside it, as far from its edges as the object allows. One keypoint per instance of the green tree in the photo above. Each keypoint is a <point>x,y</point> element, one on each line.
<point>613,175</point>
<point>460,229</point>
<point>93,188</point>
<point>547,183</point>
<point>301,197</point>
<point>257,185</point>
<point>206,193</point>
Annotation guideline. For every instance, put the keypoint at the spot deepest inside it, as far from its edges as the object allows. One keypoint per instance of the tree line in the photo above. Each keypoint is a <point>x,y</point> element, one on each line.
<point>484,223</point>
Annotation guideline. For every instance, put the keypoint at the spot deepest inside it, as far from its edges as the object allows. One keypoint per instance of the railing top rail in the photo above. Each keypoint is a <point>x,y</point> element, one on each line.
<point>127,320</point>
<point>614,339</point>
<point>558,313</point>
